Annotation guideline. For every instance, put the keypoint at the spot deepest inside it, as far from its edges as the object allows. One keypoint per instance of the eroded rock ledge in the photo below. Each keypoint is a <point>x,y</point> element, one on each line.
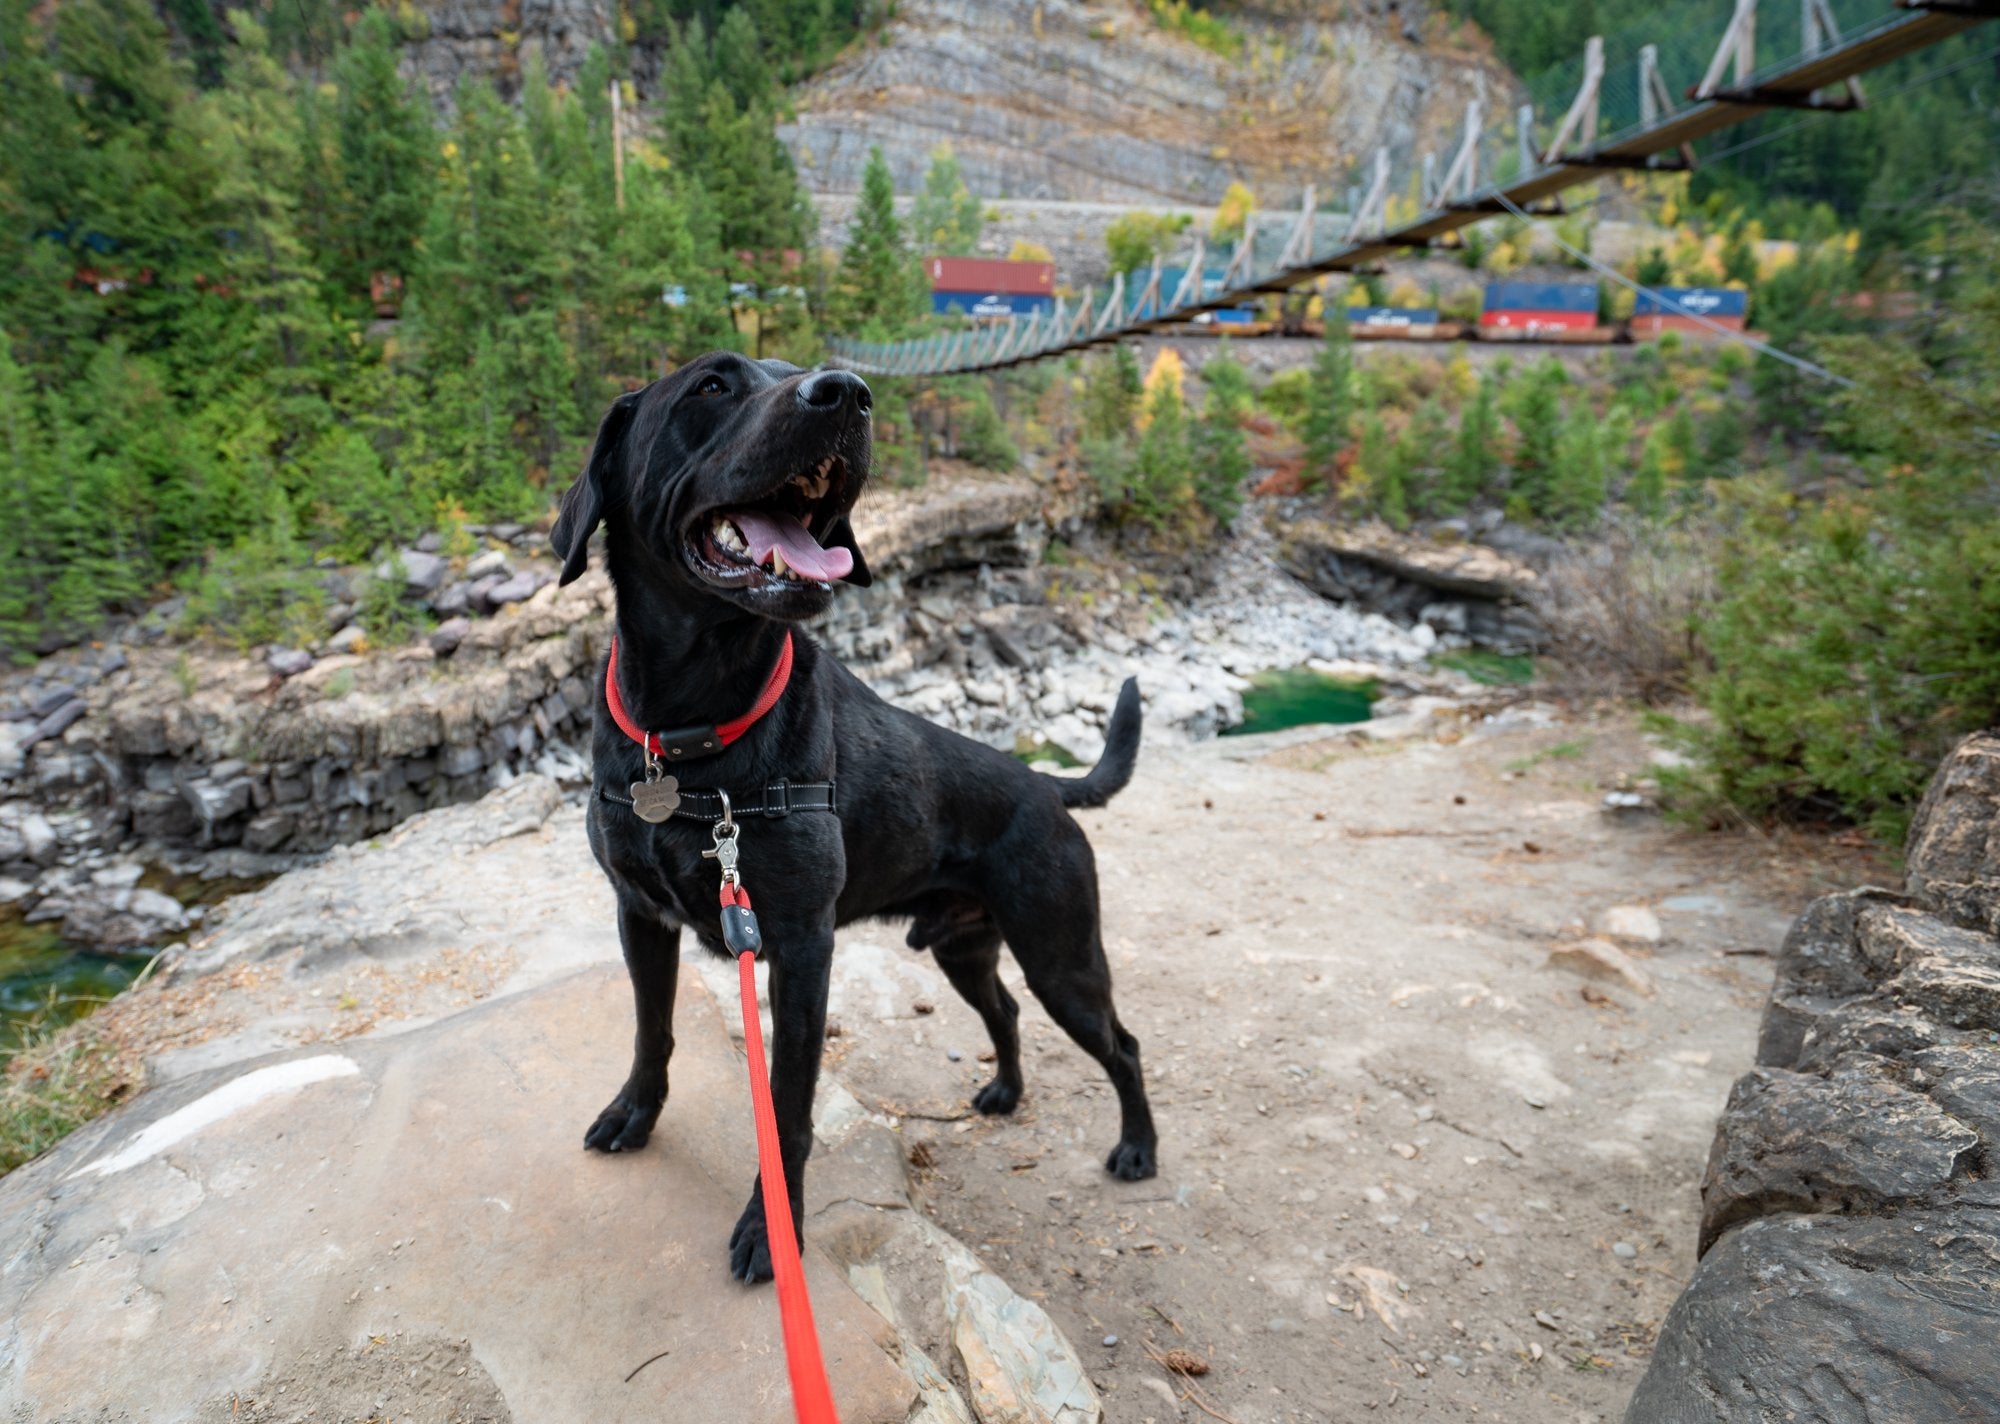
<point>1850,1232</point>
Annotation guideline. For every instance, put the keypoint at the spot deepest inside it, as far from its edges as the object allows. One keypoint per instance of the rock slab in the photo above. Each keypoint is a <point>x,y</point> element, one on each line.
<point>421,1201</point>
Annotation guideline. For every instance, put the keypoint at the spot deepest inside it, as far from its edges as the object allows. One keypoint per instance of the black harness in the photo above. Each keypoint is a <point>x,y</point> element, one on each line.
<point>775,801</point>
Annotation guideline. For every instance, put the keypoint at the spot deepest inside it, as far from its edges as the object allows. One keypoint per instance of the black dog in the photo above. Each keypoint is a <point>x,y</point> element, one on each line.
<point>725,490</point>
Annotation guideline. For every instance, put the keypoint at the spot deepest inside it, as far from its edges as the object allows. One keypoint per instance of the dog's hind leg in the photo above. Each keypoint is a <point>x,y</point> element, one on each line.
<point>1053,932</point>
<point>970,958</point>
<point>653,958</point>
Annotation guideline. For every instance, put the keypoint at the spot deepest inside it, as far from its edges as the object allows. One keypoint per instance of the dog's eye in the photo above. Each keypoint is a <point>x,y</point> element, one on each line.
<point>711,386</point>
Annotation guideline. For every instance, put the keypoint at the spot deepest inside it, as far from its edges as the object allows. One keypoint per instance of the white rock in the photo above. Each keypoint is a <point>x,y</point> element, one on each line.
<point>39,836</point>
<point>1633,922</point>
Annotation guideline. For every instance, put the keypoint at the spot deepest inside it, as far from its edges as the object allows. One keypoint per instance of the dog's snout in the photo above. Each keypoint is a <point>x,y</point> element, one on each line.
<point>826,390</point>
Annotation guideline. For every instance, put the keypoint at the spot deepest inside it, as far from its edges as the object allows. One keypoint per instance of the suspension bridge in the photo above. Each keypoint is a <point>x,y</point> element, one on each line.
<point>1822,72</point>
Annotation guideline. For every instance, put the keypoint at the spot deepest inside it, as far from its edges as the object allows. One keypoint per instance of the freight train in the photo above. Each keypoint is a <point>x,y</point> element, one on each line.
<point>1571,313</point>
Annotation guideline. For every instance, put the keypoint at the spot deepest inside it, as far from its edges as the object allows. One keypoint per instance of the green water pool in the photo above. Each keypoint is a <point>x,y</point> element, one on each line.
<point>1298,697</point>
<point>45,981</point>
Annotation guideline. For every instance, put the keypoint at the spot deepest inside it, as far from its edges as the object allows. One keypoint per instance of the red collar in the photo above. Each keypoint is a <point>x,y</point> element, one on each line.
<point>687,743</point>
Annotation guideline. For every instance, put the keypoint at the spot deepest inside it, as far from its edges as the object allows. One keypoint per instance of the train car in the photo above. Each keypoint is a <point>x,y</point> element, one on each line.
<point>1695,310</point>
<point>1533,308</point>
<point>991,275</point>
<point>1392,323</point>
<point>987,305</point>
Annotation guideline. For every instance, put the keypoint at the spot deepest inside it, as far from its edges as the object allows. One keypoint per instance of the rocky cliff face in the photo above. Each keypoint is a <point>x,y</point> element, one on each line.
<point>1057,99</point>
<point>461,39</point>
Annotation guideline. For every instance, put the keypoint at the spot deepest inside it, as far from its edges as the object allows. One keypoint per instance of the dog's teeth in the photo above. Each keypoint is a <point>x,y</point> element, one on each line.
<point>728,536</point>
<point>778,563</point>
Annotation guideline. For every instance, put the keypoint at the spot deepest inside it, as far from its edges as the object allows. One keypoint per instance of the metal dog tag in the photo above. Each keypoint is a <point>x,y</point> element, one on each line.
<point>655,801</point>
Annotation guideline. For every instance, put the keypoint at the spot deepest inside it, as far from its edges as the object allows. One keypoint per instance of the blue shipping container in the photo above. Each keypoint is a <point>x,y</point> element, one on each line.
<point>1541,296</point>
<point>1392,316</point>
<point>990,303</point>
<point>1702,301</point>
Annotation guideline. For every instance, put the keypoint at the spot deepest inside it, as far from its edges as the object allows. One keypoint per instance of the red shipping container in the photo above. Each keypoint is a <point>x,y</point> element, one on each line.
<point>1539,320</point>
<point>991,274</point>
<point>1645,326</point>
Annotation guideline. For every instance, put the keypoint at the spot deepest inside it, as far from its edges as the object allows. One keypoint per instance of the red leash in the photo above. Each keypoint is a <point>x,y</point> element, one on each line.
<point>812,1400</point>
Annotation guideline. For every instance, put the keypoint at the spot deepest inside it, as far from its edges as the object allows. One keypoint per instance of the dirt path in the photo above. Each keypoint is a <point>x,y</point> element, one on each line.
<point>1409,1169</point>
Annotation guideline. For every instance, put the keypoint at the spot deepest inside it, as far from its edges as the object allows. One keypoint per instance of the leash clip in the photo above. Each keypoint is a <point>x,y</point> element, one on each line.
<point>723,852</point>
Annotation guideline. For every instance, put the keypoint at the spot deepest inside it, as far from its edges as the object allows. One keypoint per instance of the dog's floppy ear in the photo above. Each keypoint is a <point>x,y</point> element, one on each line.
<point>841,533</point>
<point>583,504</point>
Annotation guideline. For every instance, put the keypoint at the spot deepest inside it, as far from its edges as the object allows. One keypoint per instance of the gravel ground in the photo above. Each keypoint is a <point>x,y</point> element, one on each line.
<point>1409,1167</point>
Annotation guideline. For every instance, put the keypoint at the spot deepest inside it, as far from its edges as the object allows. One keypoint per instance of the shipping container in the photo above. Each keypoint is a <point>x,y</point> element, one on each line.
<point>1645,327</point>
<point>989,274</point>
<point>1542,320</point>
<point>1391,316</point>
<point>1542,297</point>
<point>1701,301</point>
<point>989,304</point>
<point>1228,316</point>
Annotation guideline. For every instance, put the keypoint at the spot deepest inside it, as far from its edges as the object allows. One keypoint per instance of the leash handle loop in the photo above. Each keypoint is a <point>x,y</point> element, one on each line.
<point>812,1399</point>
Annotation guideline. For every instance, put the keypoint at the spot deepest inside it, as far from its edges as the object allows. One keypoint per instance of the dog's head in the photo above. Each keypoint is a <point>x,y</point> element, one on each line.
<point>733,479</point>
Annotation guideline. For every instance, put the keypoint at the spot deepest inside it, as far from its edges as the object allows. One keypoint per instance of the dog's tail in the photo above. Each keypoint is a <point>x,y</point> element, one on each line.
<point>1121,754</point>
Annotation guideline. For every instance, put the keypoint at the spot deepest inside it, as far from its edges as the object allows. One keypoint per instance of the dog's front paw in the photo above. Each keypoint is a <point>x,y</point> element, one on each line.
<point>625,1125</point>
<point>1132,1161</point>
<point>996,1098</point>
<point>750,1244</point>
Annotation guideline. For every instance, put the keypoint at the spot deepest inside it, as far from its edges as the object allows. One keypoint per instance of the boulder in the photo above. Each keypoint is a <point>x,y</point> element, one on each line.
<point>422,572</point>
<point>1954,846</point>
<point>1836,1320</point>
<point>516,589</point>
<point>446,637</point>
<point>288,662</point>
<point>1791,1142</point>
<point>38,838</point>
<point>453,599</point>
<point>493,561</point>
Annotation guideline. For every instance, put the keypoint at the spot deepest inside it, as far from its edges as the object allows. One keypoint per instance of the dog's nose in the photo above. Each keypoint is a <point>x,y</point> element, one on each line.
<point>824,390</point>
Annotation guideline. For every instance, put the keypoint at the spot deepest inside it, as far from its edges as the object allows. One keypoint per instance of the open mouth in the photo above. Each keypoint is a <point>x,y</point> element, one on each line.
<point>777,538</point>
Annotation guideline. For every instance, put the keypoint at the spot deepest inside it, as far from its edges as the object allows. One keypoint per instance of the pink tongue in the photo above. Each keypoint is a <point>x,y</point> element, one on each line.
<point>765,532</point>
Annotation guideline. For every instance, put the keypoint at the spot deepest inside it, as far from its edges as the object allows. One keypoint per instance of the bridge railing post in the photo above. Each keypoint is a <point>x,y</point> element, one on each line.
<point>1739,44</point>
<point>1583,109</point>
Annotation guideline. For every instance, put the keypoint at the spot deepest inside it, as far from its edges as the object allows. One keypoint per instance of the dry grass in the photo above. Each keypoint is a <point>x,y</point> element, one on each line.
<point>60,1080</point>
<point>1621,612</point>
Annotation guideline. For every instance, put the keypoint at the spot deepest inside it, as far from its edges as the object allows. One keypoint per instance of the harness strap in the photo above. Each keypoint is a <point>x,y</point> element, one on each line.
<point>775,801</point>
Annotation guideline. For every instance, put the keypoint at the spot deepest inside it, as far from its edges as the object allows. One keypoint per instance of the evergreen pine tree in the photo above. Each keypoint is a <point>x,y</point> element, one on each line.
<point>1420,452</point>
<point>1329,415</point>
<point>1111,387</point>
<point>876,272</point>
<point>1475,452</point>
<point>947,219</point>
<point>1537,413</point>
<point>1646,491</point>
<point>1221,456</point>
<point>388,156</point>
<point>1577,477</point>
<point>1161,480</point>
